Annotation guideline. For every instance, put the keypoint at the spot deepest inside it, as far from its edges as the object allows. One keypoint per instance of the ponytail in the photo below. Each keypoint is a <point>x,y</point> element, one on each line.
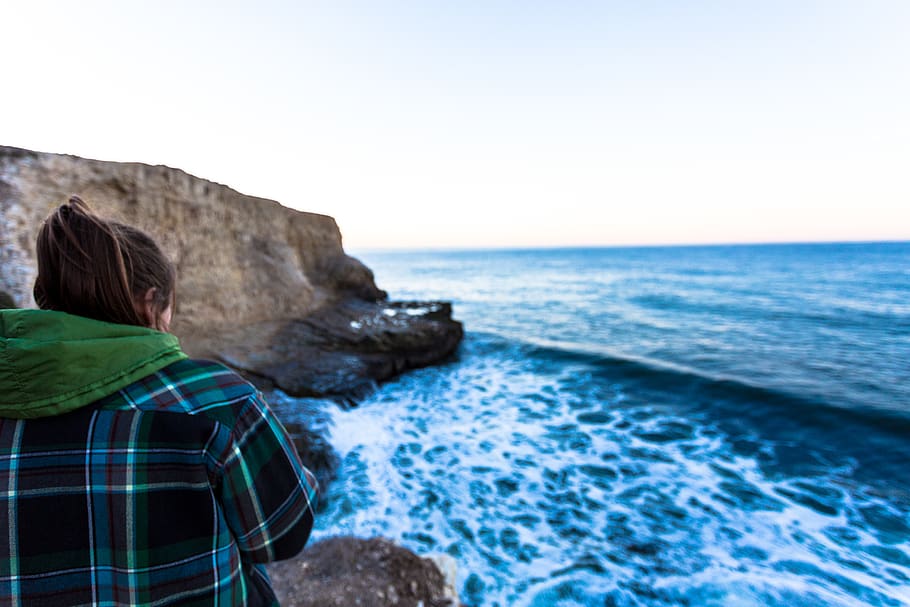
<point>100,269</point>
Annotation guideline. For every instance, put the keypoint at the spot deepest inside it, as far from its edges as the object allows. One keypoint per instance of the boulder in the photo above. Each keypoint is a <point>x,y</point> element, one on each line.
<point>339,350</point>
<point>347,571</point>
<point>317,455</point>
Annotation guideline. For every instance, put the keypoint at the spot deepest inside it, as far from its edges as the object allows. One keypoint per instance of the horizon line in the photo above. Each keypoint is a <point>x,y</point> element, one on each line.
<point>681,245</point>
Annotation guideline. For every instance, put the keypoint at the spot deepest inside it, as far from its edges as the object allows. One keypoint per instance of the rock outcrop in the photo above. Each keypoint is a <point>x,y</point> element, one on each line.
<point>270,292</point>
<point>261,287</point>
<point>347,571</point>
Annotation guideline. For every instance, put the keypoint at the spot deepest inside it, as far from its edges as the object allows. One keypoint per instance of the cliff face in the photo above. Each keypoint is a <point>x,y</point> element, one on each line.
<point>270,292</point>
<point>263,288</point>
<point>240,259</point>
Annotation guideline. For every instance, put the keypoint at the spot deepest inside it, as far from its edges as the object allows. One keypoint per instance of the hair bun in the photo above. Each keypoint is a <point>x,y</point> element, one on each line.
<point>75,204</point>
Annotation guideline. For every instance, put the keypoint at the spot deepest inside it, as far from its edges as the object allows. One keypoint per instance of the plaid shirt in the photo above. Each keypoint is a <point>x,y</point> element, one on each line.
<point>173,490</point>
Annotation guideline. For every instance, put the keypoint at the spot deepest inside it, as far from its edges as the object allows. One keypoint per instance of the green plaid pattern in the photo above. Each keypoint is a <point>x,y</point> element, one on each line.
<point>173,490</point>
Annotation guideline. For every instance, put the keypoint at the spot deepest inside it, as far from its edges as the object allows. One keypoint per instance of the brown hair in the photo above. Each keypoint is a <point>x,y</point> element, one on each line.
<point>100,268</point>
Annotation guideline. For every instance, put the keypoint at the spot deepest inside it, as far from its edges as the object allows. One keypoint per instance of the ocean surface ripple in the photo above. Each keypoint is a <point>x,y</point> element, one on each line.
<point>678,426</point>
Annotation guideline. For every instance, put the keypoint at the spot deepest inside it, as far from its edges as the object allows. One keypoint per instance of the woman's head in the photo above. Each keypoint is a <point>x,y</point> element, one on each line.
<point>102,269</point>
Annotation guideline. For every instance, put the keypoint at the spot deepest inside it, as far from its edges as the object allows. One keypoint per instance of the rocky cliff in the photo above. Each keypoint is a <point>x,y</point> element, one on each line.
<point>264,288</point>
<point>271,292</point>
<point>240,259</point>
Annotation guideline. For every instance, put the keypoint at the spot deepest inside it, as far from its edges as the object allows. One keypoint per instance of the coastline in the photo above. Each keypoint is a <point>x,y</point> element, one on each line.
<point>314,323</point>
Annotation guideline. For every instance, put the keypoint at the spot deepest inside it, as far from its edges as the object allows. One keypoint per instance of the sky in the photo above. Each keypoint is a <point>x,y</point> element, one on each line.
<point>491,123</point>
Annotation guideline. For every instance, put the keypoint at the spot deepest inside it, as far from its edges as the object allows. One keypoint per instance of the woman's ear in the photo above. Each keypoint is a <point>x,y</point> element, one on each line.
<point>147,309</point>
<point>152,315</point>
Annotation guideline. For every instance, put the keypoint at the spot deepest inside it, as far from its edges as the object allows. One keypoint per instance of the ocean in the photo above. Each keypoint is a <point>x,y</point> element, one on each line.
<point>718,425</point>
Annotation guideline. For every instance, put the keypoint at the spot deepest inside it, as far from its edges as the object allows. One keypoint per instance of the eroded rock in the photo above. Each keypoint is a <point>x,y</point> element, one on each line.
<point>340,350</point>
<point>318,455</point>
<point>240,259</point>
<point>347,571</point>
<point>263,288</point>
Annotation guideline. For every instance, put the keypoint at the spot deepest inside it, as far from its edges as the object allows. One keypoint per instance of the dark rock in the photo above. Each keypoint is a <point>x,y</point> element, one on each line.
<point>339,350</point>
<point>317,454</point>
<point>6,301</point>
<point>349,276</point>
<point>350,571</point>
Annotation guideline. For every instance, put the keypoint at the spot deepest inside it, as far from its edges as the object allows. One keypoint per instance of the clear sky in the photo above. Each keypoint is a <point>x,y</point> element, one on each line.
<point>491,122</point>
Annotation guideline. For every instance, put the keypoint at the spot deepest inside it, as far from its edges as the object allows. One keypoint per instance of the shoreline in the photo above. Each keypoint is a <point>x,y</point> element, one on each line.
<point>264,289</point>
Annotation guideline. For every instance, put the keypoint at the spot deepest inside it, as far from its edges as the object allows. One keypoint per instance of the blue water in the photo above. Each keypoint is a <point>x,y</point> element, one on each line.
<point>647,426</point>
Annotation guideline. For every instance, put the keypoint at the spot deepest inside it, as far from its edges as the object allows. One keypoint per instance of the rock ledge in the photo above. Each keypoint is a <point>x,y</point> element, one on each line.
<point>347,571</point>
<point>263,288</point>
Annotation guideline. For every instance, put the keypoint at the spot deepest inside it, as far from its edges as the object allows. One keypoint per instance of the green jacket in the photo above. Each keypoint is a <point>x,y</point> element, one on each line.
<point>53,362</point>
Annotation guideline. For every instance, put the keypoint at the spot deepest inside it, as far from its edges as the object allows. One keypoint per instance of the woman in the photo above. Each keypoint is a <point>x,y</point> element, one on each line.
<point>130,474</point>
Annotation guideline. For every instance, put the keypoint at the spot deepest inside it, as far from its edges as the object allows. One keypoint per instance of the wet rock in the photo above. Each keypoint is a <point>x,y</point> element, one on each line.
<point>342,350</point>
<point>347,571</point>
<point>317,454</point>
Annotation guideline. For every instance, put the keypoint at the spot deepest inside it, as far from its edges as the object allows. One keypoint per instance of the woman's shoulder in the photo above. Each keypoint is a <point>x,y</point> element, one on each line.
<point>194,370</point>
<point>189,386</point>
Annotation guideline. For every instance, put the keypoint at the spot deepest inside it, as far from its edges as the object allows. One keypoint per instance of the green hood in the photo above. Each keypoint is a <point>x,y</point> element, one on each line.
<point>52,362</point>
